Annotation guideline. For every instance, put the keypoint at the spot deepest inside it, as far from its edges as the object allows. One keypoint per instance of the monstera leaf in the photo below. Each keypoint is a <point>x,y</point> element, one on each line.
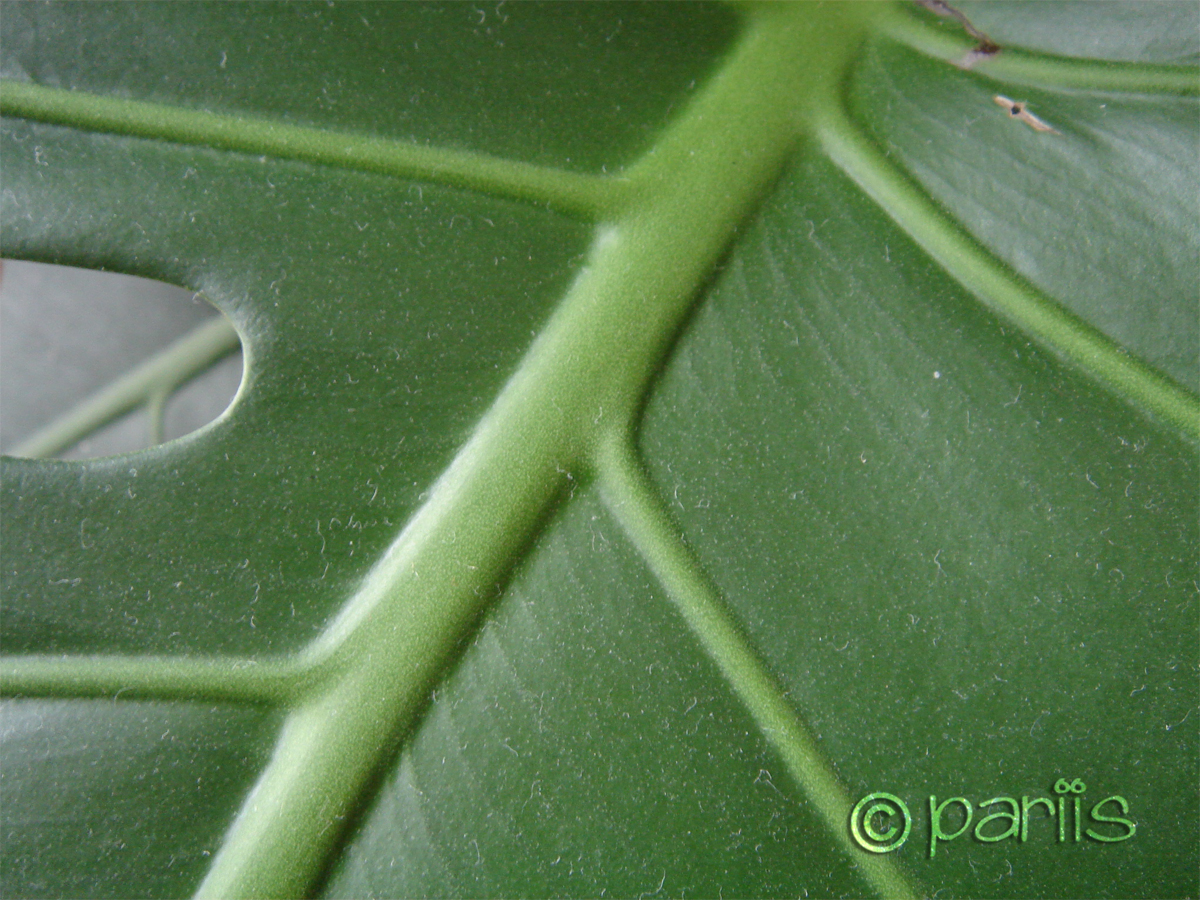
<point>681,450</point>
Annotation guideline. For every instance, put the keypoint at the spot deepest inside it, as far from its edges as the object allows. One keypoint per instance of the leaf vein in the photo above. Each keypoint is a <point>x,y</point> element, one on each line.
<point>588,196</point>
<point>961,256</point>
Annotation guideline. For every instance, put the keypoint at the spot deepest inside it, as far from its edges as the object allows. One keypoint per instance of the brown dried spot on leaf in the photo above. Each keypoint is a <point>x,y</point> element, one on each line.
<point>985,46</point>
<point>1017,109</point>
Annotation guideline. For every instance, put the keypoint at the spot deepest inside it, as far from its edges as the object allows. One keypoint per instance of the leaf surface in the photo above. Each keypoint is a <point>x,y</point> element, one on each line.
<point>659,430</point>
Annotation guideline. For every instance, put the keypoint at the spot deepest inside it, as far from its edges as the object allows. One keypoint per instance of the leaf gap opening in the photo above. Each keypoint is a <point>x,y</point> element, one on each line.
<point>95,363</point>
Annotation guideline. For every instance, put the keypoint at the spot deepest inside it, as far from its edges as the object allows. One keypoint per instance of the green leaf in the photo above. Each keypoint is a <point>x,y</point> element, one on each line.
<point>661,428</point>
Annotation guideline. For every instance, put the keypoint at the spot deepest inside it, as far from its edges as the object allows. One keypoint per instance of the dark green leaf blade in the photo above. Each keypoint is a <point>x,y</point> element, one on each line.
<point>487,77</point>
<point>970,568</point>
<point>973,571</point>
<point>121,800</point>
<point>586,747</point>
<point>1167,31</point>
<point>388,310</point>
<point>1102,216</point>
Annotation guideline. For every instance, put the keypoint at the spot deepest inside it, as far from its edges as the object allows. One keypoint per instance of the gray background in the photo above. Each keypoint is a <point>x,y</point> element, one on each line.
<point>65,333</point>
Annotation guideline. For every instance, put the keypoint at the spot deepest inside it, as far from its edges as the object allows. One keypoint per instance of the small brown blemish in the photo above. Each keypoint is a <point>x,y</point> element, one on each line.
<point>984,48</point>
<point>1016,109</point>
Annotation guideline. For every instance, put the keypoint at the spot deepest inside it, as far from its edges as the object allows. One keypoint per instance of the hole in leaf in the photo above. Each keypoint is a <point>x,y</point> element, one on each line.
<point>93,364</point>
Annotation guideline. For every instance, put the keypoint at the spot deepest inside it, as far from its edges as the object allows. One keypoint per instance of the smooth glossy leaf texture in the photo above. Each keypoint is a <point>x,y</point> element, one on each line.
<point>662,426</point>
<point>943,502</point>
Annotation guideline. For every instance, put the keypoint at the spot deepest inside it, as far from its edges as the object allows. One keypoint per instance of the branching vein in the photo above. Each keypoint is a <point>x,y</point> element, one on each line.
<point>634,503</point>
<point>589,367</point>
<point>152,677</point>
<point>998,287</point>
<point>155,378</point>
<point>586,195</point>
<point>661,228</point>
<point>1045,70</point>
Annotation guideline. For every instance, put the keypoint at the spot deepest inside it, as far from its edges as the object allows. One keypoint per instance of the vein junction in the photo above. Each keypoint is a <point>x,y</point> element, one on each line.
<point>572,406</point>
<point>583,377</point>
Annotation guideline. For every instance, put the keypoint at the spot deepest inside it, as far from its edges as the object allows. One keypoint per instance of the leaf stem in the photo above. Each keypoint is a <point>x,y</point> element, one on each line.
<point>205,345</point>
<point>1001,290</point>
<point>635,504</point>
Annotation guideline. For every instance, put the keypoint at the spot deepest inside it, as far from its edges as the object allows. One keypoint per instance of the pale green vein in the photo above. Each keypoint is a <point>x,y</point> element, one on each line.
<point>148,382</point>
<point>156,412</point>
<point>152,677</point>
<point>1044,70</point>
<point>998,287</point>
<point>662,230</point>
<point>590,196</point>
<point>589,367</point>
<point>634,503</point>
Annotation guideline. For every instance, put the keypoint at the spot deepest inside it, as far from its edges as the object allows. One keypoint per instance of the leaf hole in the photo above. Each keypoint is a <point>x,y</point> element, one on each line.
<point>94,363</point>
